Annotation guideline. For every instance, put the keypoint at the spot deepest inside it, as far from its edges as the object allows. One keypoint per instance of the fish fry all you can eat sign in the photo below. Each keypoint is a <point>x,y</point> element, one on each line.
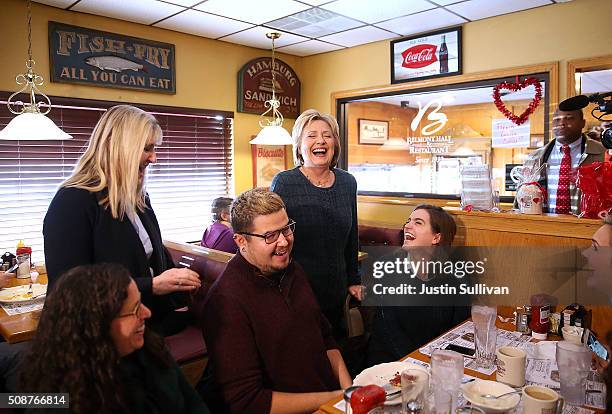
<point>87,56</point>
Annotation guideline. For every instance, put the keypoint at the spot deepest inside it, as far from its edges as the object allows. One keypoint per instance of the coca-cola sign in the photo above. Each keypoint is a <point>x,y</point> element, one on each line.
<point>419,56</point>
<point>426,56</point>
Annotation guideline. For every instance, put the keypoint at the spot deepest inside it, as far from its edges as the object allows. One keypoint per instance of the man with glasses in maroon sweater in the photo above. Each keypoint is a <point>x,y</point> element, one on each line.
<point>270,348</point>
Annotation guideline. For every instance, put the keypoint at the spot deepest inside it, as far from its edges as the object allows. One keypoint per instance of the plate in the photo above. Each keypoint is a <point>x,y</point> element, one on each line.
<point>18,294</point>
<point>473,392</point>
<point>381,374</point>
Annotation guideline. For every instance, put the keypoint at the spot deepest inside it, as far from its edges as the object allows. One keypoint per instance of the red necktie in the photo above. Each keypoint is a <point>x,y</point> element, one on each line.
<point>563,193</point>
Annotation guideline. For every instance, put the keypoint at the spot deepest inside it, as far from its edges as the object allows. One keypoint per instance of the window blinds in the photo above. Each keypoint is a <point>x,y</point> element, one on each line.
<point>194,165</point>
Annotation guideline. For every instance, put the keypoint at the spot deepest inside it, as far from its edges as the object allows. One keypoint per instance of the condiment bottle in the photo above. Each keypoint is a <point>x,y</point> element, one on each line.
<point>539,322</point>
<point>521,320</point>
<point>368,400</point>
<point>23,249</point>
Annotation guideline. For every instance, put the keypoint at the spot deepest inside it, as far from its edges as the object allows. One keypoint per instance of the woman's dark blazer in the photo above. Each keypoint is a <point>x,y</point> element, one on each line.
<point>78,230</point>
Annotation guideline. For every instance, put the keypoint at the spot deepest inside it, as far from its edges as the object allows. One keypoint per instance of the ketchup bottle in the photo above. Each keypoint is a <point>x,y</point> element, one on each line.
<point>539,322</point>
<point>23,249</point>
<point>368,400</point>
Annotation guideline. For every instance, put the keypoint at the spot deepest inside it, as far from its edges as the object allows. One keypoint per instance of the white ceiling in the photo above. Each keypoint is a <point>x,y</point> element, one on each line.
<point>308,26</point>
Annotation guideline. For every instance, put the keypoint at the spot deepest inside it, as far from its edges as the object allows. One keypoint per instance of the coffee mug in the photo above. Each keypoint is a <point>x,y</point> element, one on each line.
<point>511,365</point>
<point>541,400</point>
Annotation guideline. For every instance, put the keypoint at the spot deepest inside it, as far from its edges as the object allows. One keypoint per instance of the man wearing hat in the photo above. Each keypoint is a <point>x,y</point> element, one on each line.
<point>569,150</point>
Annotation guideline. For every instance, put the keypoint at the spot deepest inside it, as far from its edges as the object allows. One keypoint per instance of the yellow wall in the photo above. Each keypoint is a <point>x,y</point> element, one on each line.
<point>206,70</point>
<point>561,32</point>
<point>580,28</point>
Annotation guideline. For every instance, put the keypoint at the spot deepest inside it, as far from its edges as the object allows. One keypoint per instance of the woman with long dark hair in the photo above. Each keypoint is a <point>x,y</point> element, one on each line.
<point>92,343</point>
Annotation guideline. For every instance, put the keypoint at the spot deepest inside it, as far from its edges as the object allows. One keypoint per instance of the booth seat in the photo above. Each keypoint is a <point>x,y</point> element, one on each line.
<point>188,347</point>
<point>380,236</point>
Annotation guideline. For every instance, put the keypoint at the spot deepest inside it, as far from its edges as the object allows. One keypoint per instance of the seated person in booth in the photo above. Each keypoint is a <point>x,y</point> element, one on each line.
<point>219,234</point>
<point>399,330</point>
<point>102,213</point>
<point>92,343</point>
<point>270,348</point>
<point>569,150</point>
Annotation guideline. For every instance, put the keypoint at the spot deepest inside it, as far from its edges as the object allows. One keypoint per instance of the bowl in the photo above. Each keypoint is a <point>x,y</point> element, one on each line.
<point>473,392</point>
<point>572,334</point>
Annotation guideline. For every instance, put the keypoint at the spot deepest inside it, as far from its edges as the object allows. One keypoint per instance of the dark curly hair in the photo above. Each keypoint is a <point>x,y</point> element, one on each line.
<point>73,350</point>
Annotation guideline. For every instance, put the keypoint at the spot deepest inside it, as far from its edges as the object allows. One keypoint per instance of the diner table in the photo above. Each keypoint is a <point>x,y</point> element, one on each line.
<point>19,328</point>
<point>328,407</point>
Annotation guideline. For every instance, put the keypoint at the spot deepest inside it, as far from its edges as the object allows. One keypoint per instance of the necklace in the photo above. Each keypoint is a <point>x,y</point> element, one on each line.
<point>324,182</point>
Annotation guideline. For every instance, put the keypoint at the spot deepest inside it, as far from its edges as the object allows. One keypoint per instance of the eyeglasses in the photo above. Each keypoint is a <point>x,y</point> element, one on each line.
<point>137,311</point>
<point>272,236</point>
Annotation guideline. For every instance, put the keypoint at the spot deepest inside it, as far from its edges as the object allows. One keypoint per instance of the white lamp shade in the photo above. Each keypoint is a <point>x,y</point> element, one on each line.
<point>32,126</point>
<point>273,135</point>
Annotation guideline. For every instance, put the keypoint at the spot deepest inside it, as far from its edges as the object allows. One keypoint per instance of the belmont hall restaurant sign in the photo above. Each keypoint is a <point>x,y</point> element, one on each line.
<point>86,56</point>
<point>255,87</point>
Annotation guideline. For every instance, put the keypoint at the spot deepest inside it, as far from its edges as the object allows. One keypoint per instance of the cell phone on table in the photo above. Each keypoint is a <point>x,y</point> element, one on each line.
<point>461,349</point>
<point>591,341</point>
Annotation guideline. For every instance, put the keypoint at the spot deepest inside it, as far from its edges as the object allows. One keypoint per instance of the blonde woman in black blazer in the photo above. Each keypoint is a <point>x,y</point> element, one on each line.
<point>102,214</point>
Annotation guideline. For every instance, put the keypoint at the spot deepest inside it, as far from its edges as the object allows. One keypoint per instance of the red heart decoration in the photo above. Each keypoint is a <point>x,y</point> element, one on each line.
<point>536,200</point>
<point>516,86</point>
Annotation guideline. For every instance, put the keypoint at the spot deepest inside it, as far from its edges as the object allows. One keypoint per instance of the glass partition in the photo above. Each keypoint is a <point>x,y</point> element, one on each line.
<point>412,143</point>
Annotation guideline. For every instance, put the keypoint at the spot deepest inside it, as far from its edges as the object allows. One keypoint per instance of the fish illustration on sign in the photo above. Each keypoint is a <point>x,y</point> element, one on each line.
<point>114,63</point>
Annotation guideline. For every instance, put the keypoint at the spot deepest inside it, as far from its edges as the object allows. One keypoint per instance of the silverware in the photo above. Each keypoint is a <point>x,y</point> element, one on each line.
<point>495,397</point>
<point>12,268</point>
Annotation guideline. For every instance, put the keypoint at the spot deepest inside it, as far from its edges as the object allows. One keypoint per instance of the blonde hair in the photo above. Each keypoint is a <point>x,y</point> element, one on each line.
<point>302,122</point>
<point>112,159</point>
<point>252,204</point>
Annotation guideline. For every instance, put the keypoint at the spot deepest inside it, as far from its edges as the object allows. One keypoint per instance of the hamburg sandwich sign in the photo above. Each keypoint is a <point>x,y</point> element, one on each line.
<point>255,87</point>
<point>87,56</point>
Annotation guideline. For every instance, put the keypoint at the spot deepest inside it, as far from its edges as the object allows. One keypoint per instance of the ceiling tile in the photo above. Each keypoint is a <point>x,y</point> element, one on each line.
<point>142,11</point>
<point>481,9</point>
<point>311,47</point>
<point>315,22</point>
<point>421,22</point>
<point>258,12</point>
<point>371,11</point>
<point>359,36</point>
<point>256,37</point>
<point>186,3</point>
<point>202,24</point>
<point>316,2</point>
<point>445,2</point>
<point>56,3</point>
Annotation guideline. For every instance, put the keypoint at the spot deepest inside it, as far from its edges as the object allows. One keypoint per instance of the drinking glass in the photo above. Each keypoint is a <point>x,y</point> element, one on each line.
<point>438,401</point>
<point>574,361</point>
<point>447,373</point>
<point>485,334</point>
<point>415,384</point>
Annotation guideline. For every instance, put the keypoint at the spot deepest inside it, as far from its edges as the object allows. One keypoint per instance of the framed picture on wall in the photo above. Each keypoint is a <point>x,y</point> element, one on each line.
<point>268,160</point>
<point>429,55</point>
<point>373,132</point>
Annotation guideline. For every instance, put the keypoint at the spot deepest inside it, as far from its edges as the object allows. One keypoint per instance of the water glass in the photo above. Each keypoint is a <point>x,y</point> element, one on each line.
<point>415,385</point>
<point>438,401</point>
<point>574,361</point>
<point>447,373</point>
<point>485,334</point>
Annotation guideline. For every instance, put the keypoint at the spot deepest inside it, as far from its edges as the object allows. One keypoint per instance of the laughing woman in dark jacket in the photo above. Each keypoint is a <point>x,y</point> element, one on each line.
<point>101,213</point>
<point>322,199</point>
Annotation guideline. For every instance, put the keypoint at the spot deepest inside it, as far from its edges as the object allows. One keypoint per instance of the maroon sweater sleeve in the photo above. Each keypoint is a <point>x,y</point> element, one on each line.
<point>233,356</point>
